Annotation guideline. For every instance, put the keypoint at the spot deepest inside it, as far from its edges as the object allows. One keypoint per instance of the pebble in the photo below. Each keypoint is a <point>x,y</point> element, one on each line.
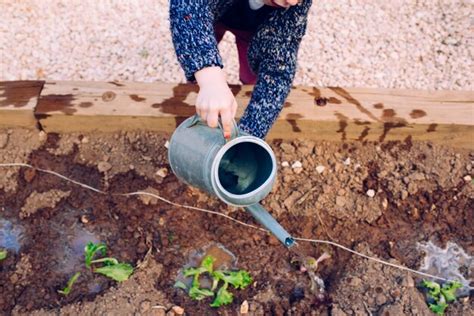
<point>285,164</point>
<point>340,201</point>
<point>298,170</point>
<point>370,193</point>
<point>3,140</point>
<point>320,169</point>
<point>178,310</point>
<point>380,299</point>
<point>467,178</point>
<point>347,162</point>
<point>297,164</point>
<point>385,204</point>
<point>84,219</point>
<point>42,136</point>
<point>162,172</point>
<point>145,306</point>
<point>104,166</point>
<point>158,312</point>
<point>167,144</point>
<point>244,307</point>
<point>85,140</point>
<point>406,180</point>
<point>287,148</point>
<point>404,194</point>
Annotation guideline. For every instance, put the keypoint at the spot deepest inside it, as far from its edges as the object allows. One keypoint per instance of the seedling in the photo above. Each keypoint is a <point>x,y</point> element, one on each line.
<point>111,268</point>
<point>69,285</point>
<point>91,249</point>
<point>439,296</point>
<point>3,254</point>
<point>238,279</point>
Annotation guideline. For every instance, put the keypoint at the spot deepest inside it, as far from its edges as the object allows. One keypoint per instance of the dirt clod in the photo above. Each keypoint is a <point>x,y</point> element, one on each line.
<point>37,201</point>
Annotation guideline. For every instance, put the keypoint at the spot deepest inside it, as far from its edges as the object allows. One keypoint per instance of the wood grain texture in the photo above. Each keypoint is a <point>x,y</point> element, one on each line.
<point>17,102</point>
<point>355,114</point>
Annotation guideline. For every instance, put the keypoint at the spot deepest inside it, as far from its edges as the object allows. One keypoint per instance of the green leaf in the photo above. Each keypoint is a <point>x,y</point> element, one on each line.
<point>206,266</point>
<point>180,285</point>
<point>239,279</point>
<point>91,249</point>
<point>3,254</point>
<point>207,263</point>
<point>439,308</point>
<point>449,290</point>
<point>198,294</point>
<point>118,272</point>
<point>433,287</point>
<point>69,285</point>
<point>193,271</point>
<point>107,261</point>
<point>223,297</point>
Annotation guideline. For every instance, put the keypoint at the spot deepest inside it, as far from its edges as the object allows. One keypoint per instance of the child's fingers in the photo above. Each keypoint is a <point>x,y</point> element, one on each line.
<point>226,117</point>
<point>199,107</point>
<point>212,117</point>
<point>204,110</point>
<point>234,108</point>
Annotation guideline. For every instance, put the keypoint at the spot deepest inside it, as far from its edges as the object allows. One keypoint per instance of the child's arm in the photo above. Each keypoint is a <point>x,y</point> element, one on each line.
<point>192,30</point>
<point>273,54</point>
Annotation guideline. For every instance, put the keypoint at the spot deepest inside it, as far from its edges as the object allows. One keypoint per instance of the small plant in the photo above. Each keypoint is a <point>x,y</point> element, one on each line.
<point>238,279</point>
<point>69,285</point>
<point>111,268</point>
<point>439,296</point>
<point>3,254</point>
<point>91,249</point>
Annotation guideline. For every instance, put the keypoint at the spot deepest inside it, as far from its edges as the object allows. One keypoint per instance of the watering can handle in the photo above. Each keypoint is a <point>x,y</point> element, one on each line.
<point>198,120</point>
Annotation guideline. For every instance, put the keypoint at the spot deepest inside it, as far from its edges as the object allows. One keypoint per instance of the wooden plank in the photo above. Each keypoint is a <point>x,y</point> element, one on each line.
<point>356,114</point>
<point>17,102</point>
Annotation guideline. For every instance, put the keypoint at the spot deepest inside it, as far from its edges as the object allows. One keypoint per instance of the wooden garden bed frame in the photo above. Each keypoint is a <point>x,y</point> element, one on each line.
<point>356,114</point>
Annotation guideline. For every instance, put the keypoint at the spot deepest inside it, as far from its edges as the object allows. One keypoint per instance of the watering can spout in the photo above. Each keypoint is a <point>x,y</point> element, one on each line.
<point>267,221</point>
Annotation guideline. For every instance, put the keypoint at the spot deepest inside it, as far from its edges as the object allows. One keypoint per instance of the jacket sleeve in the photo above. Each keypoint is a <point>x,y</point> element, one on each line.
<point>192,30</point>
<point>272,54</point>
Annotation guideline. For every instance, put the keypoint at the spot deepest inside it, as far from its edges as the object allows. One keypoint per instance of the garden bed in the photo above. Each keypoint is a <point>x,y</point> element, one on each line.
<point>422,193</point>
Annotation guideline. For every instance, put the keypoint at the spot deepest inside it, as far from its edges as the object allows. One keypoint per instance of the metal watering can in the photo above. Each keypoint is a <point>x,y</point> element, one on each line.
<point>240,172</point>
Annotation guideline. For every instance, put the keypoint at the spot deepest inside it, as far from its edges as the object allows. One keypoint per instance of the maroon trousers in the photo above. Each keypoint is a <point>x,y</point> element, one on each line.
<point>242,39</point>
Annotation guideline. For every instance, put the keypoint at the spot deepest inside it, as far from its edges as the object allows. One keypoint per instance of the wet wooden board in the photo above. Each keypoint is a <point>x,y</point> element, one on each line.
<point>355,114</point>
<point>17,102</point>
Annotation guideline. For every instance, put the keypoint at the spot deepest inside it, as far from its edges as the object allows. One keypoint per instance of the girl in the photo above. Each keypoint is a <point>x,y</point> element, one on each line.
<point>268,34</point>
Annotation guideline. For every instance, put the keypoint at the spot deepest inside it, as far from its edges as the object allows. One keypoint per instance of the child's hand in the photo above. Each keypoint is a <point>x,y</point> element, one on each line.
<point>215,99</point>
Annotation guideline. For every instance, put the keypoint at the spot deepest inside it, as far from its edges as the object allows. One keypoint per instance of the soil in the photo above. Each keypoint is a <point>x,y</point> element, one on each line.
<point>378,198</point>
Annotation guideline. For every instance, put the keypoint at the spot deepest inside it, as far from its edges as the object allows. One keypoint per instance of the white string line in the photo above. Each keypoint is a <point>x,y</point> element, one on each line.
<point>227,217</point>
<point>53,173</point>
<point>371,258</point>
<point>192,208</point>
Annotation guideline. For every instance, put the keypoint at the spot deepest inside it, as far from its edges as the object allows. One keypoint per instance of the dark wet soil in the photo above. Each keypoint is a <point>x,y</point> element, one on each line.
<point>54,237</point>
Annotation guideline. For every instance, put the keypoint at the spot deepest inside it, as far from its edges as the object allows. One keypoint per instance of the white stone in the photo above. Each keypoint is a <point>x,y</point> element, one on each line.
<point>104,166</point>
<point>297,164</point>
<point>370,193</point>
<point>467,178</point>
<point>244,307</point>
<point>178,310</point>
<point>42,136</point>
<point>167,144</point>
<point>162,172</point>
<point>320,169</point>
<point>347,162</point>
<point>285,164</point>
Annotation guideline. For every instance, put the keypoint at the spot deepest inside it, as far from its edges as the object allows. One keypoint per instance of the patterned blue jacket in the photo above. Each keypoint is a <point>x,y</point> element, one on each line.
<point>272,53</point>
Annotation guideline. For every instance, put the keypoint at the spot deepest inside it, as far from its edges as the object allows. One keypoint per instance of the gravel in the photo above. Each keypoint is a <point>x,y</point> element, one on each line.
<point>396,44</point>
